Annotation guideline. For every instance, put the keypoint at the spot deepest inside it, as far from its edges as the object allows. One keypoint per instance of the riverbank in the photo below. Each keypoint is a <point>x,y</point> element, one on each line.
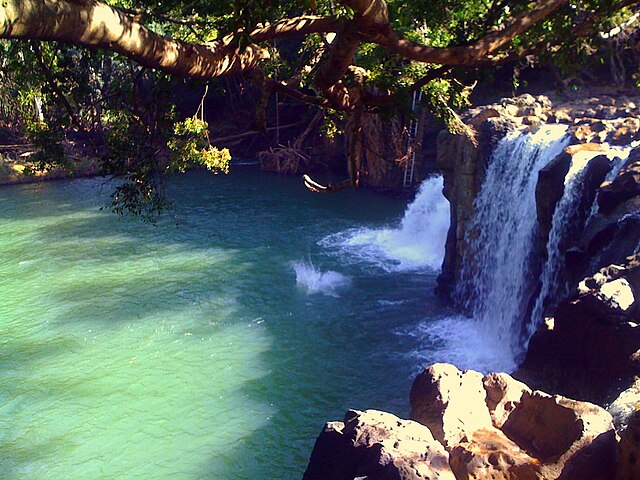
<point>17,165</point>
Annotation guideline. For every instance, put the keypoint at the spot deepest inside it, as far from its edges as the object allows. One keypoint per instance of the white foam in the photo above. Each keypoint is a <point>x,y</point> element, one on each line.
<point>417,243</point>
<point>311,280</point>
<point>462,342</point>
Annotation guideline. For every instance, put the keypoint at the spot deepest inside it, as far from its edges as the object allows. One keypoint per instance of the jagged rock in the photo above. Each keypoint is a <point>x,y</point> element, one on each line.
<point>503,396</point>
<point>571,439</point>
<point>606,112</point>
<point>378,446</point>
<point>450,402</point>
<point>491,454</point>
<point>626,418</point>
<point>529,435</point>
<point>589,351</point>
<point>533,110</point>
<point>625,186</point>
<point>590,131</point>
<point>627,132</point>
<point>611,237</point>
<point>561,116</point>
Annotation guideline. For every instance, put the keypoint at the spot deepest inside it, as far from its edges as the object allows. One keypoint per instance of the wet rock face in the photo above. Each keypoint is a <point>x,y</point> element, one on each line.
<point>592,120</point>
<point>590,348</point>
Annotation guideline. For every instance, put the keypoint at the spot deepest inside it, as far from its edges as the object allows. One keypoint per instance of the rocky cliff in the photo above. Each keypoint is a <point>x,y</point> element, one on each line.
<point>468,426</point>
<point>595,122</point>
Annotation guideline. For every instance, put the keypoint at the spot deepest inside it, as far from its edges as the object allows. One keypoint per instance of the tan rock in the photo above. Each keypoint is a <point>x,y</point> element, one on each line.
<point>503,396</point>
<point>483,115</point>
<point>571,439</point>
<point>377,445</point>
<point>489,454</point>
<point>450,402</point>
<point>585,147</point>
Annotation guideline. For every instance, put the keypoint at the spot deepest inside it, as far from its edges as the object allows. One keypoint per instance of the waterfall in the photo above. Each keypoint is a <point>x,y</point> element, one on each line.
<point>497,283</point>
<point>417,243</point>
<point>565,216</point>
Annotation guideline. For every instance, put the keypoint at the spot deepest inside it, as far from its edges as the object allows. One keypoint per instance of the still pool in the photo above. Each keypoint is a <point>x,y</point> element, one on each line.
<point>213,345</point>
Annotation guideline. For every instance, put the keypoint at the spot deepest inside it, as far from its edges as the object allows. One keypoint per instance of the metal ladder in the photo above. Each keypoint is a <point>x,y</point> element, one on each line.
<point>410,166</point>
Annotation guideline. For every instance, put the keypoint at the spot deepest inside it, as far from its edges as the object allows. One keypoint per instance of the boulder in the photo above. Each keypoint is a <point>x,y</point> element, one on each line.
<point>503,394</point>
<point>450,402</point>
<point>570,439</point>
<point>491,454</point>
<point>626,132</point>
<point>377,446</point>
<point>626,418</point>
<point>526,434</point>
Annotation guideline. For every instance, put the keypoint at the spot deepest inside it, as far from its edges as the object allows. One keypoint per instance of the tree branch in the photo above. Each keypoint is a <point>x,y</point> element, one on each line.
<point>96,24</point>
<point>470,54</point>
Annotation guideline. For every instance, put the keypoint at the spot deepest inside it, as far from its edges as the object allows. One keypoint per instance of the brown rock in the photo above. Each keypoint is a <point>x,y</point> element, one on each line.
<point>483,115</point>
<point>590,131</point>
<point>584,147</point>
<point>379,446</point>
<point>626,418</point>
<point>625,186</point>
<point>627,132</point>
<point>561,116</point>
<point>450,402</point>
<point>503,396</point>
<point>571,439</point>
<point>490,454</point>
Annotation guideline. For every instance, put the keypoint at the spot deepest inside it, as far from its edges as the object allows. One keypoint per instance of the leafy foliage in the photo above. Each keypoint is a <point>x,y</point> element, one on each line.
<point>131,119</point>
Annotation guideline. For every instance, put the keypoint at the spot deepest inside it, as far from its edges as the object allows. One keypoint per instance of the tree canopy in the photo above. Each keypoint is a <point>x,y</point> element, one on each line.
<point>339,55</point>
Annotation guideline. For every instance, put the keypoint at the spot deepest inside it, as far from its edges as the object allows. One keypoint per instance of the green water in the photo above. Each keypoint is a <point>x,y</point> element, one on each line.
<point>187,350</point>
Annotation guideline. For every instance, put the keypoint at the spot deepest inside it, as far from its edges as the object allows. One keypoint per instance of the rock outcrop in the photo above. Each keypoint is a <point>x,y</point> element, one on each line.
<point>509,431</point>
<point>377,446</point>
<point>592,122</point>
<point>470,427</point>
<point>626,418</point>
<point>590,348</point>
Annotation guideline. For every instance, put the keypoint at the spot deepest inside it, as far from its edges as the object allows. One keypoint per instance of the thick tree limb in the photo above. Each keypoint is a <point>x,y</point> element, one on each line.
<point>467,55</point>
<point>93,23</point>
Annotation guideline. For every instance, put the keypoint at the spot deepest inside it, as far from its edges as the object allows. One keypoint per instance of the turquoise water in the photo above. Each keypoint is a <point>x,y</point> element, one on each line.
<point>213,345</point>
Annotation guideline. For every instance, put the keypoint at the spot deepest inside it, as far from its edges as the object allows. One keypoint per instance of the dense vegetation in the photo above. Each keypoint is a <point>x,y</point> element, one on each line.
<point>105,74</point>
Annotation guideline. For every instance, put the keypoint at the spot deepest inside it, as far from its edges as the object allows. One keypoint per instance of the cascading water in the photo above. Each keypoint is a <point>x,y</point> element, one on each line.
<point>496,281</point>
<point>565,216</point>
<point>417,243</point>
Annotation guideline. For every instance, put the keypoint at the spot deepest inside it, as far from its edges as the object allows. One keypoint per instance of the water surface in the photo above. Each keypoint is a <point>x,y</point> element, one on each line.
<point>213,345</point>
